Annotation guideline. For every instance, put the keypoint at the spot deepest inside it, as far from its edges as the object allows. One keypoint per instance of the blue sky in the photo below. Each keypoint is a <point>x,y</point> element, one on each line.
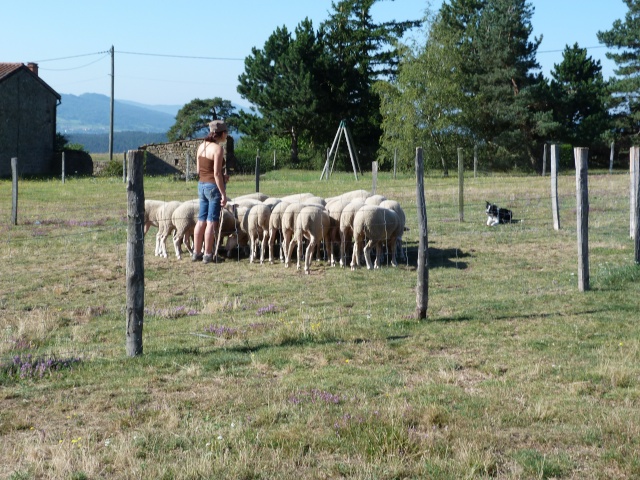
<point>151,38</point>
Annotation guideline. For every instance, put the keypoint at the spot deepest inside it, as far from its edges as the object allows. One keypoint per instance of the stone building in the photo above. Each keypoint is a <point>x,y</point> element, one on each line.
<point>27,120</point>
<point>179,157</point>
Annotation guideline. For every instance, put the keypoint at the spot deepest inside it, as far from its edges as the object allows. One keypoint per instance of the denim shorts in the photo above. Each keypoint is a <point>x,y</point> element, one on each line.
<point>210,198</point>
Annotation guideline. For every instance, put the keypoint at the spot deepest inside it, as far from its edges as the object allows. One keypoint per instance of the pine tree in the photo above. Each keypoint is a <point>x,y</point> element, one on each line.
<point>625,87</point>
<point>193,119</point>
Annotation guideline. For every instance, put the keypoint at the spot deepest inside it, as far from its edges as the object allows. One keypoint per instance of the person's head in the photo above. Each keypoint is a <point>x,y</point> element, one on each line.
<point>218,130</point>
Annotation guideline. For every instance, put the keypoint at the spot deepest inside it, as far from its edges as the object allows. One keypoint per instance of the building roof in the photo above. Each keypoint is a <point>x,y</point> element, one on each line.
<point>8,69</point>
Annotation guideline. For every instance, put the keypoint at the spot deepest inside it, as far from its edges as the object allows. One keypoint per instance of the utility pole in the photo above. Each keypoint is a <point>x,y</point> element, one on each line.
<point>111,121</point>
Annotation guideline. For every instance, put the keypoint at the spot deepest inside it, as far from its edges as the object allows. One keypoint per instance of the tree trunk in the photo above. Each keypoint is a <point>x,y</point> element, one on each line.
<point>294,146</point>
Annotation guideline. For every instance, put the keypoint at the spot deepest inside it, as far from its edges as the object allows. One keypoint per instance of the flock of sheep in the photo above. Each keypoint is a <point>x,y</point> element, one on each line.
<point>355,221</point>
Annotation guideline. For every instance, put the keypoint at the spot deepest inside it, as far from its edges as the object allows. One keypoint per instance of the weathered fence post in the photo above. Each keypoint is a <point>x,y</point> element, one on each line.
<point>555,159</point>
<point>395,162</point>
<point>475,161</point>
<point>63,166</point>
<point>611,155</point>
<point>636,189</point>
<point>135,253</point>
<point>258,171</point>
<point>634,173</point>
<point>460,185</point>
<point>582,213</point>
<point>544,159</point>
<point>274,159</point>
<point>14,191</point>
<point>374,176</point>
<point>422,288</point>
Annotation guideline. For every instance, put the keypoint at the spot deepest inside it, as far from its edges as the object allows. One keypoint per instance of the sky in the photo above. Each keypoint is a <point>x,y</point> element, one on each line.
<point>169,52</point>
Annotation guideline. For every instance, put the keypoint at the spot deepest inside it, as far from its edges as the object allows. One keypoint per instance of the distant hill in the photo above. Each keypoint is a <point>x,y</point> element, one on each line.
<point>122,141</point>
<point>91,113</point>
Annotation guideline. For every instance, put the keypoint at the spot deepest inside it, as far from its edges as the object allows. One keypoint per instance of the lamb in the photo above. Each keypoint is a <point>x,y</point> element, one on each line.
<point>165,226</point>
<point>256,224</point>
<point>346,226</point>
<point>288,225</point>
<point>312,222</point>
<point>374,199</point>
<point>151,211</point>
<point>184,218</point>
<point>275,229</point>
<point>377,225</point>
<point>335,209</point>
<point>395,206</point>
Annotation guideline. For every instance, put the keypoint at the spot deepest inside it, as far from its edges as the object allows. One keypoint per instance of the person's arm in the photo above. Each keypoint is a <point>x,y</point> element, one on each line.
<point>218,159</point>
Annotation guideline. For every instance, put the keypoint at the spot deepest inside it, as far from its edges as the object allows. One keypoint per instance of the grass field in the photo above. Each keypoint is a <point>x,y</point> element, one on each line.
<point>260,372</point>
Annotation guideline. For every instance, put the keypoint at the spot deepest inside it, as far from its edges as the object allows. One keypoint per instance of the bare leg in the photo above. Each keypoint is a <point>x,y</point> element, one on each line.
<point>198,235</point>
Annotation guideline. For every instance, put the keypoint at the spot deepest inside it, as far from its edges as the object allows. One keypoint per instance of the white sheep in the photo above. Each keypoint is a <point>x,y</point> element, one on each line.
<point>374,199</point>
<point>312,222</point>
<point>288,225</point>
<point>352,195</point>
<point>151,211</point>
<point>376,225</point>
<point>275,229</point>
<point>346,226</point>
<point>165,226</point>
<point>184,218</point>
<point>334,209</point>
<point>297,197</point>
<point>261,197</point>
<point>395,206</point>
<point>229,228</point>
<point>256,224</point>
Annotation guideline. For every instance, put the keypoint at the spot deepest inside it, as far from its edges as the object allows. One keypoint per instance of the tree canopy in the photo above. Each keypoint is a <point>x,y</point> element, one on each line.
<point>193,119</point>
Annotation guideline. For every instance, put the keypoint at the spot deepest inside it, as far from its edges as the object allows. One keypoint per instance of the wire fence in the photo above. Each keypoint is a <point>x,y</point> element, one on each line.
<point>65,262</point>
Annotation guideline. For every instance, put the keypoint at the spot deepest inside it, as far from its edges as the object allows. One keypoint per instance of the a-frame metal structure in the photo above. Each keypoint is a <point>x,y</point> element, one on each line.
<point>342,130</point>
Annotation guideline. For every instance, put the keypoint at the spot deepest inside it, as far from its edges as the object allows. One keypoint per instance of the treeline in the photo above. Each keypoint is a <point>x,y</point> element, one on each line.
<point>122,141</point>
<point>470,79</point>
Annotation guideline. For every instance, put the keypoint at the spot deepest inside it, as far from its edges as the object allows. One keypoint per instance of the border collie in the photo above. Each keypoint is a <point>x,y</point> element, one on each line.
<point>496,215</point>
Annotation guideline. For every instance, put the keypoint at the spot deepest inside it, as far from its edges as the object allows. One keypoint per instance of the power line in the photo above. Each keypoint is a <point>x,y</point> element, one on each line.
<point>556,51</point>
<point>74,68</point>
<point>73,56</point>
<point>180,56</point>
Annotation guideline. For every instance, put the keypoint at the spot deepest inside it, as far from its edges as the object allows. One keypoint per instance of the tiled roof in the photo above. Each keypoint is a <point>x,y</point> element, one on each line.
<point>7,68</point>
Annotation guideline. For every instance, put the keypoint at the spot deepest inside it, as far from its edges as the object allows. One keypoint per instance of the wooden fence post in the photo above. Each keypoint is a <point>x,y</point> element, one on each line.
<point>555,159</point>
<point>135,253</point>
<point>422,288</point>
<point>611,155</point>
<point>395,162</point>
<point>582,213</point>
<point>124,168</point>
<point>374,176</point>
<point>460,185</point>
<point>14,191</point>
<point>475,161</point>
<point>258,171</point>
<point>636,189</point>
<point>634,172</point>
<point>63,166</point>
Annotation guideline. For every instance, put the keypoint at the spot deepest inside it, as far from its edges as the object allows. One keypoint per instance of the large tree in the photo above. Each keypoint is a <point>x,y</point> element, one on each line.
<point>624,36</point>
<point>193,119</point>
<point>423,107</point>
<point>281,80</point>
<point>579,95</point>
<point>360,53</point>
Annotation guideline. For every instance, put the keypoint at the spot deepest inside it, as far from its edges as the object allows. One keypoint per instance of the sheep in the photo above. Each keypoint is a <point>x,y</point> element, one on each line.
<point>377,225</point>
<point>271,201</point>
<point>256,224</point>
<point>261,197</point>
<point>151,211</point>
<point>165,226</point>
<point>346,226</point>
<point>334,209</point>
<point>184,218</point>
<point>288,224</point>
<point>374,199</point>
<point>228,228</point>
<point>312,222</point>
<point>275,229</point>
<point>297,197</point>
<point>395,206</point>
<point>352,195</point>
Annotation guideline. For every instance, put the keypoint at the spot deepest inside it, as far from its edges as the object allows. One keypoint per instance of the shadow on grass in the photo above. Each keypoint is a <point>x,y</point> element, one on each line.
<point>438,257</point>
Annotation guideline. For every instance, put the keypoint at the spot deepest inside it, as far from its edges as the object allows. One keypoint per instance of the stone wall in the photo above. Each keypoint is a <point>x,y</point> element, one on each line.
<point>171,158</point>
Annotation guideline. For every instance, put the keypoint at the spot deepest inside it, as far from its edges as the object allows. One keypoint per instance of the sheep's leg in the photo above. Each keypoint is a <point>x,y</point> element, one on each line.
<point>177,244</point>
<point>263,244</point>
<point>392,245</point>
<point>367,254</point>
<point>355,257</point>
<point>343,245</point>
<point>288,245</point>
<point>300,246</point>
<point>309,254</point>
<point>272,242</point>
<point>378,261</point>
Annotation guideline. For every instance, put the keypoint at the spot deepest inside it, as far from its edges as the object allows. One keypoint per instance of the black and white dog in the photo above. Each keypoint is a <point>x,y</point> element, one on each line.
<point>497,215</point>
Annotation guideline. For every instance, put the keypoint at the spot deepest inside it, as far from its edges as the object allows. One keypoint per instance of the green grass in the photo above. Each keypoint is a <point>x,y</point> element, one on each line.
<point>257,371</point>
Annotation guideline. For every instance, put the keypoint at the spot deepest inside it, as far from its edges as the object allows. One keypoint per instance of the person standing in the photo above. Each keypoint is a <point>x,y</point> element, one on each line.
<point>212,192</point>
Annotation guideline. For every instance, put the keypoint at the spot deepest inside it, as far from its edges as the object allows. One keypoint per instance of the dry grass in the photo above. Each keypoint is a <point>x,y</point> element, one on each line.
<point>254,371</point>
